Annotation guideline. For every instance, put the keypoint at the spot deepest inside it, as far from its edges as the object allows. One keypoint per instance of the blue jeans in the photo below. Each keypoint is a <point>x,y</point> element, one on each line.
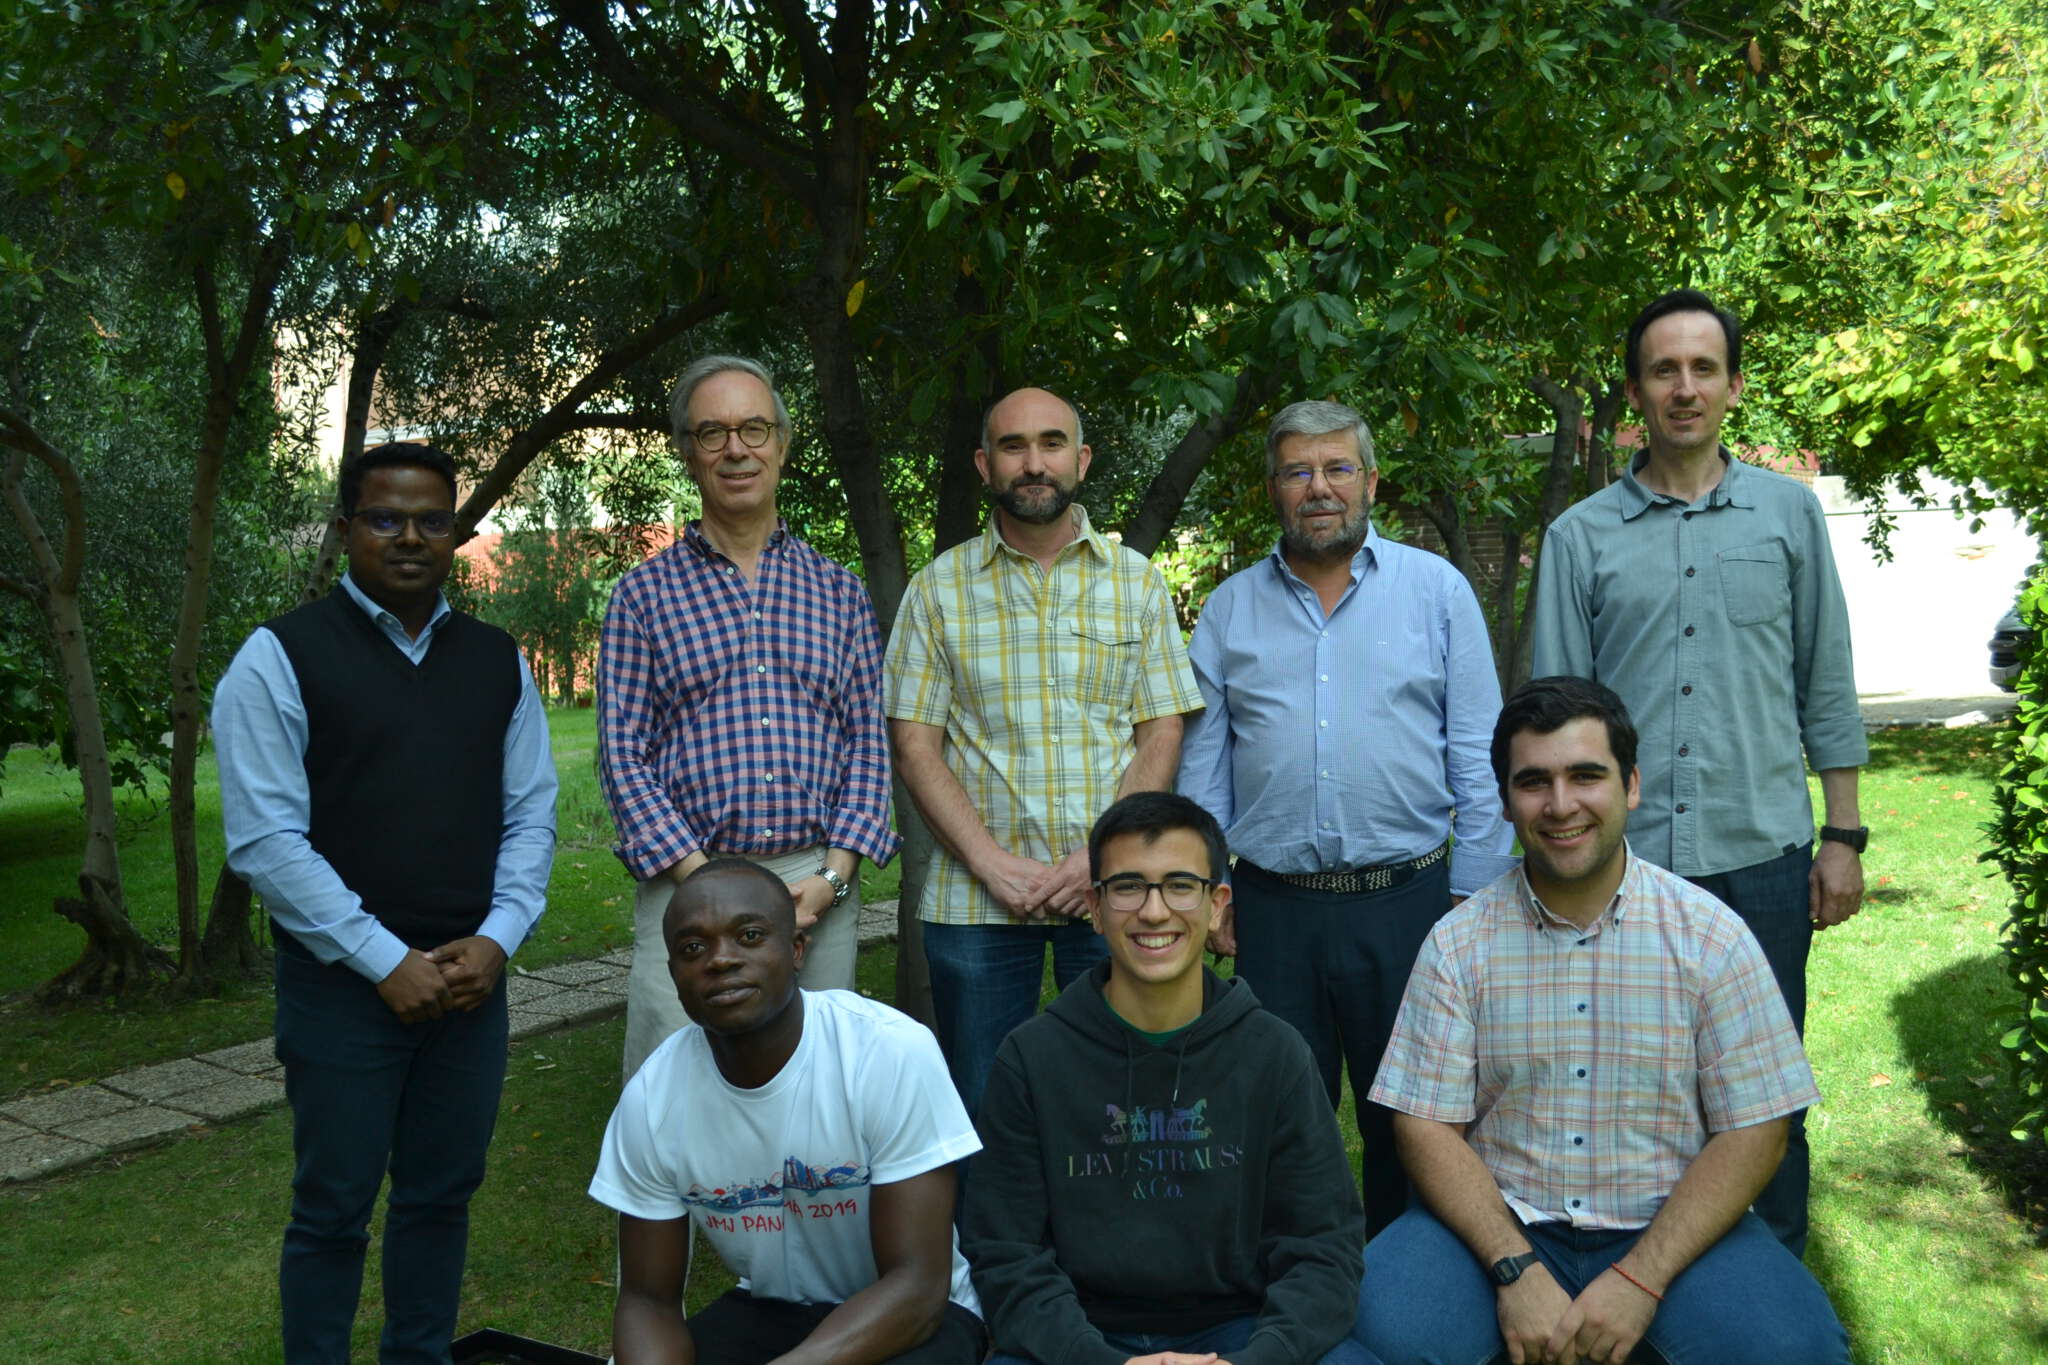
<point>370,1093</point>
<point>985,980</point>
<point>1773,901</point>
<point>1230,1336</point>
<point>1335,966</point>
<point>1425,1300</point>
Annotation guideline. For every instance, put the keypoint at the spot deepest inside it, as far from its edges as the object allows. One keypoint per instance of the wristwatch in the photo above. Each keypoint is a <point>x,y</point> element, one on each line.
<point>1508,1269</point>
<point>1857,838</point>
<point>841,888</point>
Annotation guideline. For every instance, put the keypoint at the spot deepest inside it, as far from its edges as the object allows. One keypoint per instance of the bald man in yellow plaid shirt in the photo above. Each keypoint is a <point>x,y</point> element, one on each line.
<point>1035,674</point>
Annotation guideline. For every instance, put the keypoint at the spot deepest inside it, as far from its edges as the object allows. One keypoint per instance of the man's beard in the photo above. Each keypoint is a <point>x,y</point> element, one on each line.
<point>1341,542</point>
<point>1036,504</point>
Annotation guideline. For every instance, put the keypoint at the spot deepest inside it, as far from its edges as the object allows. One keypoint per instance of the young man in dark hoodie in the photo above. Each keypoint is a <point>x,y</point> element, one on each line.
<point>1161,1181</point>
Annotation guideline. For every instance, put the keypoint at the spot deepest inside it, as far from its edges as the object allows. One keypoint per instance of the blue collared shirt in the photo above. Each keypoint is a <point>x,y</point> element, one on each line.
<point>1355,738</point>
<point>259,738</point>
<point>1721,623</point>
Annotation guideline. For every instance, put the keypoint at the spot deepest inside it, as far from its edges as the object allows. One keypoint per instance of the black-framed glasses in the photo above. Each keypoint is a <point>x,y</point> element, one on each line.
<point>1340,475</point>
<point>387,521</point>
<point>711,437</point>
<point>1181,891</point>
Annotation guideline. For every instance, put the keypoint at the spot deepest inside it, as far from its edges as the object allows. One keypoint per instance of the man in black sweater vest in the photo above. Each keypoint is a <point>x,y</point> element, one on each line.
<point>386,786</point>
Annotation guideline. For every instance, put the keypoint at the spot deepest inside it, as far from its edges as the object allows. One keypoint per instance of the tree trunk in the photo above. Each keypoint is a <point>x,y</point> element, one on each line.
<point>228,367</point>
<point>1607,410</point>
<point>977,383</point>
<point>1160,506</point>
<point>229,943</point>
<point>1568,408</point>
<point>116,957</point>
<point>1508,659</point>
<point>913,975</point>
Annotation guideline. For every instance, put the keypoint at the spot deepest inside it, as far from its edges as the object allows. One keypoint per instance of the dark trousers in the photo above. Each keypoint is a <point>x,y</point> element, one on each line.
<point>370,1094</point>
<point>1772,898</point>
<point>739,1329</point>
<point>1334,966</point>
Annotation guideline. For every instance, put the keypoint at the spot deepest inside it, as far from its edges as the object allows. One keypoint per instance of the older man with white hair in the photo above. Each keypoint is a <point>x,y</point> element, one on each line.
<point>1349,696</point>
<point>739,700</point>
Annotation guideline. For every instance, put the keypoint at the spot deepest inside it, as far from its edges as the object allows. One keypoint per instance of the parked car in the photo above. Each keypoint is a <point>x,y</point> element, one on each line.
<point>2011,642</point>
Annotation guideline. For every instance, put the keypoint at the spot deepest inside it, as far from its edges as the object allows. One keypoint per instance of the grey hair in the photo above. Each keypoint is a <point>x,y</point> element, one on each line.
<point>703,368</point>
<point>1080,438</point>
<point>1316,418</point>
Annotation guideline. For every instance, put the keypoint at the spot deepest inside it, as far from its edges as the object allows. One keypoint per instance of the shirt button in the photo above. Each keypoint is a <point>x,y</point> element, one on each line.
<point>1325,724</point>
<point>1688,630</point>
<point>1582,1073</point>
<point>1681,808</point>
<point>1690,571</point>
<point>1324,773</point>
<point>764,720</point>
<point>1577,1202</point>
<point>1686,690</point>
<point>732,568</point>
<point>770,777</point>
<point>1684,749</point>
<point>757,616</point>
<point>1578,1142</point>
<point>1582,1007</point>
<point>760,668</point>
<point>767,834</point>
<point>1322,677</point>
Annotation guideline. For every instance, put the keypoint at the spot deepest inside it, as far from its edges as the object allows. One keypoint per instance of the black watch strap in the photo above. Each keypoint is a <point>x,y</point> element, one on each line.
<point>1857,838</point>
<point>1508,1269</point>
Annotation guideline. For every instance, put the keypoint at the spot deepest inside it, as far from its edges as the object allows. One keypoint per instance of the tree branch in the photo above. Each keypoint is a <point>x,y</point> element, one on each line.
<point>794,18</point>
<point>18,434</point>
<point>560,418</point>
<point>751,145</point>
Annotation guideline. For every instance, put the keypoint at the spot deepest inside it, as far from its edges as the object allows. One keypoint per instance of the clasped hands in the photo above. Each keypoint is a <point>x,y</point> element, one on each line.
<point>1030,891</point>
<point>1541,1323</point>
<point>459,975</point>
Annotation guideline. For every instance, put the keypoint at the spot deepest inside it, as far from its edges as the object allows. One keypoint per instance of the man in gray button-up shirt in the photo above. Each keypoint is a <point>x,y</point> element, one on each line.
<point>1702,589</point>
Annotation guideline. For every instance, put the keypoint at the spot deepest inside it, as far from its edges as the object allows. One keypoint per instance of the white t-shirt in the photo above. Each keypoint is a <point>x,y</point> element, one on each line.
<point>779,1177</point>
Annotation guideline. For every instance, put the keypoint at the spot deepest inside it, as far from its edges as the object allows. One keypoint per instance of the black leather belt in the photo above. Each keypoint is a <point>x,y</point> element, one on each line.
<point>1358,880</point>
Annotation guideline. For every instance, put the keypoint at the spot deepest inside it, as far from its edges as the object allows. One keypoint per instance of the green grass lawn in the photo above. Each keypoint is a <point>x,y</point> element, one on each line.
<point>1924,1213</point>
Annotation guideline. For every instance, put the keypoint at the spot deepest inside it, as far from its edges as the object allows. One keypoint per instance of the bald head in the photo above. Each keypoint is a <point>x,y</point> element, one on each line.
<point>730,884</point>
<point>1021,411</point>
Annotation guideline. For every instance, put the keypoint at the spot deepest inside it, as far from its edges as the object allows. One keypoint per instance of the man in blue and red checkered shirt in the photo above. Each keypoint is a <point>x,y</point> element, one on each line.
<point>739,700</point>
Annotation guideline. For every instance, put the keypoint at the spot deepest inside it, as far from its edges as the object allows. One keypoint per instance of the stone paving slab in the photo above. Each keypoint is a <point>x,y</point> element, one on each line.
<point>524,990</point>
<point>130,1128</point>
<point>618,985</point>
<point>247,1059</point>
<point>153,1083</point>
<point>41,1154</point>
<point>234,1098</point>
<point>581,1007</point>
<point>578,973</point>
<point>619,957</point>
<point>13,1130</point>
<point>525,1023</point>
<point>60,1107</point>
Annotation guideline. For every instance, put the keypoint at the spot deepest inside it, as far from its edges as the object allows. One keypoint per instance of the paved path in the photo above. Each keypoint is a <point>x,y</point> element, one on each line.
<point>43,1134</point>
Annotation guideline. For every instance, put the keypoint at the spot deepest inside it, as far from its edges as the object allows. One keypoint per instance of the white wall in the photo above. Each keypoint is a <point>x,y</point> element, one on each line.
<point>1921,622</point>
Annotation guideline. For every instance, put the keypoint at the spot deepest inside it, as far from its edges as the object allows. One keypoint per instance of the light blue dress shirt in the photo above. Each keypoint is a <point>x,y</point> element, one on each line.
<point>1721,623</point>
<point>1351,739</point>
<point>259,738</point>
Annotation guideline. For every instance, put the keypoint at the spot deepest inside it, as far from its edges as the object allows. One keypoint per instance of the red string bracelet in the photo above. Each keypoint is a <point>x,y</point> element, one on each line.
<point>1616,1268</point>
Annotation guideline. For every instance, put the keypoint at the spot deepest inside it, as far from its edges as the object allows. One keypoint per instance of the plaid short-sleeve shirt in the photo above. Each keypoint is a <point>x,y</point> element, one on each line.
<point>1592,1064</point>
<point>1037,677</point>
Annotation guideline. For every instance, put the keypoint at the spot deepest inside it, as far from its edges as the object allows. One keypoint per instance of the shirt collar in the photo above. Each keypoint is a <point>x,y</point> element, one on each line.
<point>700,544</point>
<point>383,617</point>
<point>1542,917</point>
<point>1734,490</point>
<point>1085,533</point>
<point>1367,557</point>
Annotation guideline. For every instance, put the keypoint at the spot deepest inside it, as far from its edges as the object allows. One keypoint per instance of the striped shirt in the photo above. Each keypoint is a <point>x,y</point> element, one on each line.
<point>742,719</point>
<point>1593,1064</point>
<point>1037,677</point>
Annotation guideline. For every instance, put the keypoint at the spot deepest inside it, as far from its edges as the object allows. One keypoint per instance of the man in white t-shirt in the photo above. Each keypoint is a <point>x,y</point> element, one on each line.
<point>812,1136</point>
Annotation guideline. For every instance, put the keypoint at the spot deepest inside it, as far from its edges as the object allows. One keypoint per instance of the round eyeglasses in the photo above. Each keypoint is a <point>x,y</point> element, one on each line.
<point>1335,475</point>
<point>712,436</point>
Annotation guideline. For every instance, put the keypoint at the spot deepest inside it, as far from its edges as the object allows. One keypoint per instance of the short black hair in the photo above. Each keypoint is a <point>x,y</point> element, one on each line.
<point>1681,301</point>
<point>1152,814</point>
<point>697,886</point>
<point>1547,705</point>
<point>394,453</point>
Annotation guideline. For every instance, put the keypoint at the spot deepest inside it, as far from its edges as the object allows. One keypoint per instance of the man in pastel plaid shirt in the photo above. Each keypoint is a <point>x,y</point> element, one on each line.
<point>739,701</point>
<point>1035,674</point>
<point>1593,1070</point>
